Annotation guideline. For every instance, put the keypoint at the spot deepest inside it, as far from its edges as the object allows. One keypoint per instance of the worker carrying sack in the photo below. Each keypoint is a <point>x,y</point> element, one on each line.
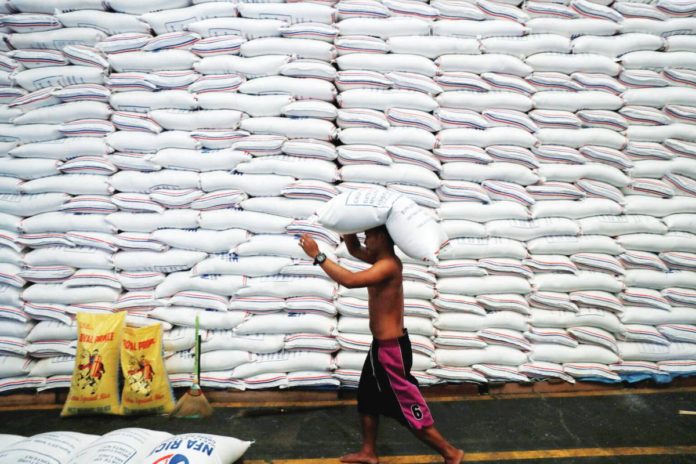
<point>146,387</point>
<point>414,231</point>
<point>94,386</point>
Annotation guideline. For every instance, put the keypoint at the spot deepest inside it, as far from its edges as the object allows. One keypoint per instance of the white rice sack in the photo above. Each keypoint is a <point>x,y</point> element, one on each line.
<point>480,101</point>
<point>617,45</point>
<point>387,63</point>
<point>247,28</point>
<point>661,133</point>
<point>65,112</point>
<point>75,184</point>
<point>198,160</point>
<point>575,209</point>
<point>173,20</point>
<point>253,105</point>
<point>126,141</point>
<point>475,248</point>
<point>186,317</point>
<point>149,222</point>
<point>258,66</point>
<point>652,316</point>
<point>302,48</point>
<point>62,149</point>
<point>291,128</point>
<point>573,27</point>
<point>56,293</point>
<point>575,101</point>
<point>80,257</point>
<point>200,448</point>
<point>655,60</point>
<point>288,323</point>
<point>659,207</point>
<point>523,47</point>
<point>621,225</point>
<point>474,172</point>
<point>483,285</point>
<point>573,173</point>
<point>681,222</point>
<point>176,282</point>
<point>249,220</point>
<point>58,76</point>
<point>584,317</point>
<point>167,261</point>
<point>193,120</point>
<point>397,173</point>
<point>384,27</point>
<point>659,97</point>
<point>415,233</point>
<point>528,230</point>
<point>357,211</point>
<point>301,168</point>
<point>148,182</point>
<point>256,343</point>
<point>165,60</point>
<point>432,46</point>
<point>56,39</point>
<point>208,241</point>
<point>583,280</point>
<point>564,354</point>
<point>142,102</point>
<point>410,136</point>
<point>501,355</point>
<point>659,280</point>
<point>658,243</point>
<point>653,352</point>
<point>480,64</point>
<point>317,89</point>
<point>385,99</point>
<point>276,245</point>
<point>51,447</point>
<point>479,28</point>
<point>481,213</point>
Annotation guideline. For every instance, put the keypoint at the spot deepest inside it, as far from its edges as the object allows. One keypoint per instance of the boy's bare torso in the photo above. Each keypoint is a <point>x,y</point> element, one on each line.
<point>386,304</point>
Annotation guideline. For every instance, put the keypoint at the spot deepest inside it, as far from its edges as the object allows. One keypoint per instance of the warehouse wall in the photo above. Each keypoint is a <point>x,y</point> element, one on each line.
<point>160,158</point>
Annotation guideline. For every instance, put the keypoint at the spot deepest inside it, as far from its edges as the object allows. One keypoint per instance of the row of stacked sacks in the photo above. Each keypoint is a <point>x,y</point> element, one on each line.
<point>162,162</point>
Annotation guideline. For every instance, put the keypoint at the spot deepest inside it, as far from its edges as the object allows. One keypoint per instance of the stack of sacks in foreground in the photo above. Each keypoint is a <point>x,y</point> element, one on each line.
<point>130,445</point>
<point>159,157</point>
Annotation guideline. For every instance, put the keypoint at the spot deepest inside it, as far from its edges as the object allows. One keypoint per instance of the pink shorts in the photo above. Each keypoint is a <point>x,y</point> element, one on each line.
<point>387,386</point>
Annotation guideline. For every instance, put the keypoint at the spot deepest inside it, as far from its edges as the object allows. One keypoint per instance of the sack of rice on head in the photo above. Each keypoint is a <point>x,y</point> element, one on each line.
<point>413,230</point>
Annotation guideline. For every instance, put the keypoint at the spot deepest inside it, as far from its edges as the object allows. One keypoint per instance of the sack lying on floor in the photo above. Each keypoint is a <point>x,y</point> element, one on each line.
<point>94,385</point>
<point>49,448</point>
<point>415,232</point>
<point>198,448</point>
<point>123,446</point>
<point>146,385</point>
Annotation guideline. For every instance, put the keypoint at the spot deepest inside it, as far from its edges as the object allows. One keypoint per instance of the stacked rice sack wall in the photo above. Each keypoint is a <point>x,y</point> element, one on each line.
<point>160,157</point>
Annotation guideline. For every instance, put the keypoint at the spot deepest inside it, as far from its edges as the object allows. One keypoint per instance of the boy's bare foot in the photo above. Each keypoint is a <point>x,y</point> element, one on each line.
<point>456,458</point>
<point>361,457</point>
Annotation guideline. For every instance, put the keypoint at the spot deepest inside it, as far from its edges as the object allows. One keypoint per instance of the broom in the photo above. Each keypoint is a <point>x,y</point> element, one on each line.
<point>194,405</point>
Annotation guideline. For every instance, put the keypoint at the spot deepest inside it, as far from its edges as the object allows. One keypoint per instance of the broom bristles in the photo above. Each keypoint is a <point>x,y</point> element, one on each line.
<point>193,405</point>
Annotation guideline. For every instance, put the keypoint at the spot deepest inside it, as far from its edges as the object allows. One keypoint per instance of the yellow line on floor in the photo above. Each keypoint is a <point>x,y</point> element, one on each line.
<point>508,455</point>
<point>438,399</point>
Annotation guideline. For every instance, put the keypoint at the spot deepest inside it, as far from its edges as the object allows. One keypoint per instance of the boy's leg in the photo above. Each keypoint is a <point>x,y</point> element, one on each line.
<point>432,437</point>
<point>368,452</point>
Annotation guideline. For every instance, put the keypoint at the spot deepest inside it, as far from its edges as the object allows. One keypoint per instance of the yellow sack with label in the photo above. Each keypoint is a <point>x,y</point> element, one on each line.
<point>94,386</point>
<point>146,387</point>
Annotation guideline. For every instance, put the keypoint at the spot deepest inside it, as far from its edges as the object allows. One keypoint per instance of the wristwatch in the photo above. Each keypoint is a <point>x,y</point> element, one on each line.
<point>320,258</point>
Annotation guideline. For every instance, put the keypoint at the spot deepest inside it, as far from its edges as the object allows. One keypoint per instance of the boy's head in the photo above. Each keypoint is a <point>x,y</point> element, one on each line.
<point>378,239</point>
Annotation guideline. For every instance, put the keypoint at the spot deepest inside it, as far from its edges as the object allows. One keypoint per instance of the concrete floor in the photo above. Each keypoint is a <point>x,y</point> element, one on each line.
<point>615,424</point>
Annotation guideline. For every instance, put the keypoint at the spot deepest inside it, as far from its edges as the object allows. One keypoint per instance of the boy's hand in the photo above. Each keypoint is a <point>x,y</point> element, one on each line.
<point>309,245</point>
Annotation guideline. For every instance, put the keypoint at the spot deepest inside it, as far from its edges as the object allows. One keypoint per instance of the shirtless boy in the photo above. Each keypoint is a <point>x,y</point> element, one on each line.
<point>386,384</point>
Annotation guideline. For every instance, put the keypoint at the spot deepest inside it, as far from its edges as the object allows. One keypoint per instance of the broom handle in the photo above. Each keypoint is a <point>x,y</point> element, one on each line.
<point>198,362</point>
<point>197,355</point>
